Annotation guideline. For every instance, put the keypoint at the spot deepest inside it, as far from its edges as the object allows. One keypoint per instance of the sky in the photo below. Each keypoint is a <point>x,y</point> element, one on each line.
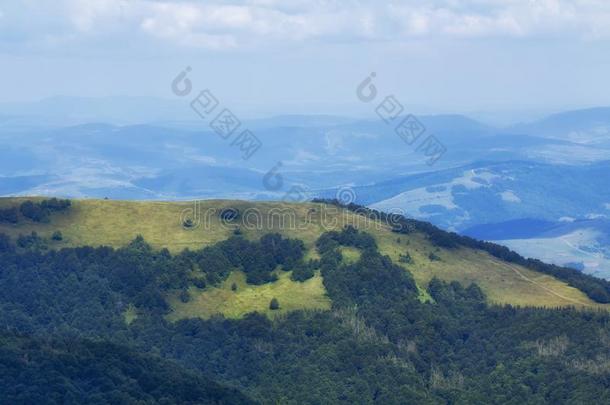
<point>309,56</point>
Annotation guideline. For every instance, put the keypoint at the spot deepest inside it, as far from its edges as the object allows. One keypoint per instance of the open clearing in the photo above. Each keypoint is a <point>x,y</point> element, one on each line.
<point>292,295</point>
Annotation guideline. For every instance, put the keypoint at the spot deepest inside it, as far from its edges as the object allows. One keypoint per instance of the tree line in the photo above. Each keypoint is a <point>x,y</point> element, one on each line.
<point>34,210</point>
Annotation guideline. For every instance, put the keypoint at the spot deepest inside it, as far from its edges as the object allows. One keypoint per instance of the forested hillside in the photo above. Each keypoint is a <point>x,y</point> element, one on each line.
<point>162,224</point>
<point>383,338</point>
<point>70,371</point>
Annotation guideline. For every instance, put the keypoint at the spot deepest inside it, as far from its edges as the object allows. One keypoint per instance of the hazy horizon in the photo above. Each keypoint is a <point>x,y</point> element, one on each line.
<point>61,104</point>
<point>271,57</point>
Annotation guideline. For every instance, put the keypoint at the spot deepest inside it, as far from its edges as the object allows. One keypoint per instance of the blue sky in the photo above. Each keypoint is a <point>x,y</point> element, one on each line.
<point>308,56</point>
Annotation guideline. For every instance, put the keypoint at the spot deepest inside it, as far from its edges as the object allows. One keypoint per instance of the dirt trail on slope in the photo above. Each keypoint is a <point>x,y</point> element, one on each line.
<point>537,284</point>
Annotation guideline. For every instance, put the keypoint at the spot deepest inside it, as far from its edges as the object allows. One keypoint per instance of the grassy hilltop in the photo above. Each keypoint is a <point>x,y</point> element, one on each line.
<point>116,223</point>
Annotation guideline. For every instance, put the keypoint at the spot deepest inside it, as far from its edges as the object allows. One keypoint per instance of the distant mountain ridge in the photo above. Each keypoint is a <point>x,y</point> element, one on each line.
<point>535,228</point>
<point>318,152</point>
<point>588,126</point>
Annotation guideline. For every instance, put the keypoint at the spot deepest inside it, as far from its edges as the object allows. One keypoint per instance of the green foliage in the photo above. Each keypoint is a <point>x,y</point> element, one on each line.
<point>31,241</point>
<point>35,371</point>
<point>55,204</point>
<point>434,257</point>
<point>185,296</point>
<point>10,215</point>
<point>5,243</point>
<point>274,304</point>
<point>213,262</point>
<point>303,271</point>
<point>405,258</point>
<point>349,236</point>
<point>257,259</point>
<point>374,278</point>
<point>198,282</point>
<point>378,344</point>
<point>57,236</point>
<point>41,211</point>
<point>33,211</point>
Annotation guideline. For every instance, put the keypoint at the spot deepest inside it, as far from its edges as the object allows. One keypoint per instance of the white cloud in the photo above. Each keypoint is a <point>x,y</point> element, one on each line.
<point>89,15</point>
<point>216,24</point>
<point>510,196</point>
<point>595,216</point>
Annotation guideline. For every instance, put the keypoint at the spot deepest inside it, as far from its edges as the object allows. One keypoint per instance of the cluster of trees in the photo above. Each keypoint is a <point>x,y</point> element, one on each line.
<point>304,271</point>
<point>41,211</point>
<point>258,259</point>
<point>328,243</point>
<point>597,289</point>
<point>374,276</point>
<point>349,236</point>
<point>31,241</point>
<point>378,343</point>
<point>35,211</point>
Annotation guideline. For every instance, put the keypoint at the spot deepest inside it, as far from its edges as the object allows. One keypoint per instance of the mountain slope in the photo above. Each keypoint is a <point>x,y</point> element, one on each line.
<point>578,243</point>
<point>86,372</point>
<point>588,126</point>
<point>379,339</point>
<point>116,223</point>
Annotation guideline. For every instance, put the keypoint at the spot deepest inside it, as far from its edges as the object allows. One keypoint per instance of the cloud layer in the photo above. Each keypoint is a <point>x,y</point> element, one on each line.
<point>258,23</point>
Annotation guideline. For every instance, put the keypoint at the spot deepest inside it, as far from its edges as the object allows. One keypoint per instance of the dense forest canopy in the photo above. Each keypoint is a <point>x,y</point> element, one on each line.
<point>69,371</point>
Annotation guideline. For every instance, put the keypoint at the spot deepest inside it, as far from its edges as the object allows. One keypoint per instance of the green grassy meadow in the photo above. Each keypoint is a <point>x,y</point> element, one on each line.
<point>292,295</point>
